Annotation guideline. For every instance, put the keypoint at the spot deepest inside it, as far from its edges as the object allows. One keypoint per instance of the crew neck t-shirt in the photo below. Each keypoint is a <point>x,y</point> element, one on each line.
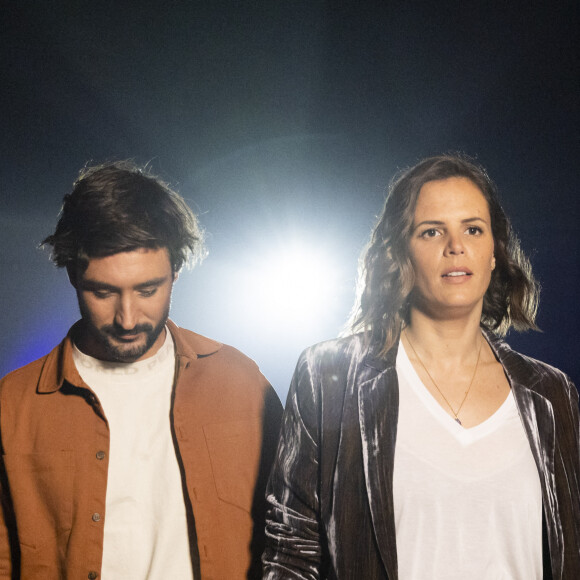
<point>145,530</point>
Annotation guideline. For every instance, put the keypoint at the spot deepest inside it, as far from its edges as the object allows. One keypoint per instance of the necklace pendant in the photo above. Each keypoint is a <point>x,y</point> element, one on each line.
<point>458,421</point>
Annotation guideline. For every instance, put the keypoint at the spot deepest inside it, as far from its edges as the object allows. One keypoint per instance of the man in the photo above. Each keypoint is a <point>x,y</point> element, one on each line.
<point>135,449</point>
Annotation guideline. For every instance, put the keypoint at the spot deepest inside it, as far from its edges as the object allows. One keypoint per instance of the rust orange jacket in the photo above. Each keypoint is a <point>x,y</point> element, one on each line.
<point>55,443</point>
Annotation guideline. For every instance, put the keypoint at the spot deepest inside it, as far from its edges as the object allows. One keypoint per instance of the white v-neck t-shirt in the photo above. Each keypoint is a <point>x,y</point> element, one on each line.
<point>145,534</point>
<point>468,502</point>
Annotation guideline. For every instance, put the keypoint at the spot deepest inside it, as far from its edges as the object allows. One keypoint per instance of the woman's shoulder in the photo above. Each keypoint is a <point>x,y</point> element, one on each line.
<point>345,351</point>
<point>342,361</point>
<point>337,346</point>
<point>527,371</point>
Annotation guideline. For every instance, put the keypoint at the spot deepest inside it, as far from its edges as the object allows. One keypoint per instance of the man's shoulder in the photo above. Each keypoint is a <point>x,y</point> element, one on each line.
<point>196,344</point>
<point>30,368</point>
<point>221,374</point>
<point>27,375</point>
<point>207,350</point>
<point>45,373</point>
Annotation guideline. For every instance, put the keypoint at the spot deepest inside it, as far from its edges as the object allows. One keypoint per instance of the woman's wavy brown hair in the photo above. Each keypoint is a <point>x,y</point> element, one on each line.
<point>386,275</point>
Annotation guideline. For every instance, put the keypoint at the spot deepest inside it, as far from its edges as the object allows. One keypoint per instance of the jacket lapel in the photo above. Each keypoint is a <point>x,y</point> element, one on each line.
<point>378,405</point>
<point>537,416</point>
<point>536,411</point>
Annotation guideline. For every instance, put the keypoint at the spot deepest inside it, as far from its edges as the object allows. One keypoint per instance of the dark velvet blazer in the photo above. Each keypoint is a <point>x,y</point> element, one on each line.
<point>330,493</point>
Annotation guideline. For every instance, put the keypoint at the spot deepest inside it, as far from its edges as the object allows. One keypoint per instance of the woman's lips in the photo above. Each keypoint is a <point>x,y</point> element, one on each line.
<point>457,274</point>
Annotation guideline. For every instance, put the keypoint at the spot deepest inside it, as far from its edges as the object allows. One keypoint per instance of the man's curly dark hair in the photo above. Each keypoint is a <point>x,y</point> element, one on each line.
<point>120,207</point>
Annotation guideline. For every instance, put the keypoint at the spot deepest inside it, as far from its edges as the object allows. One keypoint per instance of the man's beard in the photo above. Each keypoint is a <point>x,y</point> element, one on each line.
<point>128,353</point>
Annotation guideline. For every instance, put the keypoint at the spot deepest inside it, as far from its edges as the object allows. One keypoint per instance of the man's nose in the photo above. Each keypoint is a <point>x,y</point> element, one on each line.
<point>125,315</point>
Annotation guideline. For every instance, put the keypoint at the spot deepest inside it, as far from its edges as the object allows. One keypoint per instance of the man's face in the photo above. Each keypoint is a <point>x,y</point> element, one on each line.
<point>124,301</point>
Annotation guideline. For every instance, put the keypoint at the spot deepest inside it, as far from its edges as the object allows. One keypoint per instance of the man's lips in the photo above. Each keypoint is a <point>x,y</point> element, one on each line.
<point>128,337</point>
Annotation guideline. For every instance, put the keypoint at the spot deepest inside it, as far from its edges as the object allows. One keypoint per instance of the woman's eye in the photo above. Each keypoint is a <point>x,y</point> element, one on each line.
<point>473,230</point>
<point>430,233</point>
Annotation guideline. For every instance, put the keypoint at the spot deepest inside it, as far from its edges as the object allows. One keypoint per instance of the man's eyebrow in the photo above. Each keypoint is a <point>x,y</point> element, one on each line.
<point>91,285</point>
<point>88,284</point>
<point>153,282</point>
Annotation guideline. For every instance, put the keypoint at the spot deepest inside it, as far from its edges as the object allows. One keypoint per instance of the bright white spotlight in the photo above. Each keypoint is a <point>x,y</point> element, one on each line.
<point>294,287</point>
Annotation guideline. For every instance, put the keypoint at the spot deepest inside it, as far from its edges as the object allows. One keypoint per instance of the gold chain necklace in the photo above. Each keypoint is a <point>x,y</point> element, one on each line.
<point>435,384</point>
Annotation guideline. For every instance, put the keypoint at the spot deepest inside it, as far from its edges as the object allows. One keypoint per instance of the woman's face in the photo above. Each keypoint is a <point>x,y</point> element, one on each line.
<point>451,248</point>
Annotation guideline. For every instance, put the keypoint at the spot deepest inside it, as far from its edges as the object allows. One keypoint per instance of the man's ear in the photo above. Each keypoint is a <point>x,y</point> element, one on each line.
<point>72,275</point>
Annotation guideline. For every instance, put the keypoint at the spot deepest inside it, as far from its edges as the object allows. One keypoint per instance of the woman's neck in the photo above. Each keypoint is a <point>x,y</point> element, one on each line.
<point>450,341</point>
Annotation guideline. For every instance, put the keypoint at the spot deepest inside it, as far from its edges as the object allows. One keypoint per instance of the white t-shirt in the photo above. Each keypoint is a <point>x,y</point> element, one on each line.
<point>145,534</point>
<point>468,502</point>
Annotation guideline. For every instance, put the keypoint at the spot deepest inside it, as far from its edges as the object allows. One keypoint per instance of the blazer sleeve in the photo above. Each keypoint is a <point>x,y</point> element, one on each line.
<point>575,422</point>
<point>293,534</point>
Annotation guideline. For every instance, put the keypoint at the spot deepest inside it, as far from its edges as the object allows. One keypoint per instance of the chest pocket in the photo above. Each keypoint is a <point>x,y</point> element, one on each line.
<point>234,449</point>
<point>41,492</point>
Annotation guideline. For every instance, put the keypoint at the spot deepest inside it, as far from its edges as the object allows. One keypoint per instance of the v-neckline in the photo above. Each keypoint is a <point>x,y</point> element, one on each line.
<point>464,434</point>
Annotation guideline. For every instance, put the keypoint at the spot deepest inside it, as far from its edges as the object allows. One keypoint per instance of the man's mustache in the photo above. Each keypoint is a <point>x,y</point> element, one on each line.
<point>117,331</point>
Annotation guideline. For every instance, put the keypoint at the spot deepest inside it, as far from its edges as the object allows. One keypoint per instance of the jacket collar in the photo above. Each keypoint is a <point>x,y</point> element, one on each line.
<point>182,349</point>
<point>380,364</point>
<point>59,366</point>
<point>521,375</point>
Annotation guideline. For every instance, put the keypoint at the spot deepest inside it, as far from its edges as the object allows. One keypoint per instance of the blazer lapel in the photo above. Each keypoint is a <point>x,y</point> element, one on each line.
<point>537,416</point>
<point>535,410</point>
<point>378,405</point>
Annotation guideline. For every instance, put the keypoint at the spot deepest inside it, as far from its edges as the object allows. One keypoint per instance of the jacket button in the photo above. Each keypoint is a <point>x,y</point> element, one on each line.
<point>100,455</point>
<point>92,575</point>
<point>96,517</point>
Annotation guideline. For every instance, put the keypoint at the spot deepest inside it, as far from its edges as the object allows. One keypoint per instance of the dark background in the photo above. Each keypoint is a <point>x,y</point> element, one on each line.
<point>281,121</point>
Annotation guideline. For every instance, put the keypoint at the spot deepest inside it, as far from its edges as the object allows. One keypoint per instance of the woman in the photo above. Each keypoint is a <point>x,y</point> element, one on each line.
<point>422,446</point>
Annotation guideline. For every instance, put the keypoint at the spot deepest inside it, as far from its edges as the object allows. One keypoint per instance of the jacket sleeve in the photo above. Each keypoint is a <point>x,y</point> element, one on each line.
<point>568,430</point>
<point>293,534</point>
<point>6,517</point>
<point>5,546</point>
<point>575,414</point>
